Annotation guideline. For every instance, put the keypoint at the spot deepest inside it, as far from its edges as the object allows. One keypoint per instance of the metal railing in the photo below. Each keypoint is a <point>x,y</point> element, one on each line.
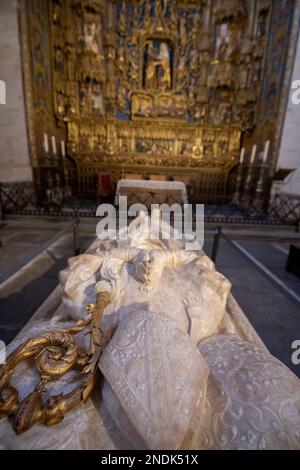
<point>274,280</point>
<point>281,210</point>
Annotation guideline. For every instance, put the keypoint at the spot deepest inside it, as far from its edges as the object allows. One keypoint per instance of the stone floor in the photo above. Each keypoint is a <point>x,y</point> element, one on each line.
<point>274,314</point>
<point>35,250</point>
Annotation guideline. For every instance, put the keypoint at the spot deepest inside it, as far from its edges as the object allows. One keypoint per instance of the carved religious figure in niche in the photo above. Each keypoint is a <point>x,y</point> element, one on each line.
<point>157,66</point>
<point>123,20</point>
<point>121,57</point>
<point>97,100</point>
<point>194,60</point>
<point>226,42</point>
<point>56,13</point>
<point>91,99</point>
<point>91,35</point>
<point>182,71</point>
<point>220,112</point>
<point>60,103</point>
<point>262,23</point>
<point>183,37</point>
<point>58,60</point>
<point>133,64</point>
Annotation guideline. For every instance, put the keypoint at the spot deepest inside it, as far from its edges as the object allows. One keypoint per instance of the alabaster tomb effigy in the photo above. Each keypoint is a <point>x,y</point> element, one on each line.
<point>142,346</point>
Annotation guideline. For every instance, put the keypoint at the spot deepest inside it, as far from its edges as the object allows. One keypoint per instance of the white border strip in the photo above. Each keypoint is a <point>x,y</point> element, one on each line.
<point>280,248</point>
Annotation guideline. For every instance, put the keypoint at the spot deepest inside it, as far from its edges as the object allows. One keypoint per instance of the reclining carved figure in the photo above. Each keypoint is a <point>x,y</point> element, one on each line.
<point>176,370</point>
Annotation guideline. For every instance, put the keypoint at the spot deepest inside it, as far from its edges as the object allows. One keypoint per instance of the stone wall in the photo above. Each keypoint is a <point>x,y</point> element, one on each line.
<point>14,152</point>
<point>289,156</point>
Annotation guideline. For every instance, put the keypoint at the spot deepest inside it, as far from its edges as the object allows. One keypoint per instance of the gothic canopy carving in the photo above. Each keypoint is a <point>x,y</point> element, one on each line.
<point>190,60</point>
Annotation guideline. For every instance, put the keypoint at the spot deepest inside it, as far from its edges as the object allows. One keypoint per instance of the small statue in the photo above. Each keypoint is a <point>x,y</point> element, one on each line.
<point>60,104</point>
<point>123,20</point>
<point>158,69</point>
<point>194,60</point>
<point>164,67</point>
<point>121,58</point>
<point>182,71</point>
<point>183,39</point>
<point>150,78</point>
<point>91,38</point>
<point>97,100</point>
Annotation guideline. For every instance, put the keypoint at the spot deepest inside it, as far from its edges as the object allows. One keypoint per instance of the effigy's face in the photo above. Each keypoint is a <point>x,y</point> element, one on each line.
<point>149,266</point>
<point>78,277</point>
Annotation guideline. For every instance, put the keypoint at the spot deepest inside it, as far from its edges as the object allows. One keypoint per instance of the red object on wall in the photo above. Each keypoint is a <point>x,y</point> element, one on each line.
<point>105,182</point>
<point>103,185</point>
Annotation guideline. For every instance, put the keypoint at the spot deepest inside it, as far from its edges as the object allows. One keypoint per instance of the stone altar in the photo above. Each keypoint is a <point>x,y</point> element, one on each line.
<point>181,367</point>
<point>151,192</point>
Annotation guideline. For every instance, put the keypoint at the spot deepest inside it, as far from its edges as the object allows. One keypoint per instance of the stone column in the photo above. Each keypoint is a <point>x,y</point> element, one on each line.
<point>14,150</point>
<point>289,154</point>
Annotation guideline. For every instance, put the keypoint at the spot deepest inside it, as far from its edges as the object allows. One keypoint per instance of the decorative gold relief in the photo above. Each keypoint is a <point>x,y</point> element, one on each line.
<point>56,353</point>
<point>125,73</point>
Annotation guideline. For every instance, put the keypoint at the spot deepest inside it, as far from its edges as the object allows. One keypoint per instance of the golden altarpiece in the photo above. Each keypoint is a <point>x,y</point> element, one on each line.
<point>147,88</point>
